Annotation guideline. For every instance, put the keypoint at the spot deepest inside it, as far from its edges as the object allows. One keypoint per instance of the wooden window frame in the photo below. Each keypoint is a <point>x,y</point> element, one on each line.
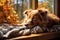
<point>33,4</point>
<point>58,8</point>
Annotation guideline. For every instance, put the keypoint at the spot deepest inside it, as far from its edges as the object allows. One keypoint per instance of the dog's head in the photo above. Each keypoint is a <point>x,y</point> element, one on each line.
<point>36,17</point>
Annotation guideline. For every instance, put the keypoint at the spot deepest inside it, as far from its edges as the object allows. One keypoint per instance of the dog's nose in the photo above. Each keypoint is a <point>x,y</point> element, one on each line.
<point>27,26</point>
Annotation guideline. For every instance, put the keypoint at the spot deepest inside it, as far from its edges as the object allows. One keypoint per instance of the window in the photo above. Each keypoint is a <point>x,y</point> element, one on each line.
<point>20,6</point>
<point>50,4</point>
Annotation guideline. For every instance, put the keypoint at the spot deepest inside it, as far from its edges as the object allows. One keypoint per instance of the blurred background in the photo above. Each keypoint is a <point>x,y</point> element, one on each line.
<point>22,5</point>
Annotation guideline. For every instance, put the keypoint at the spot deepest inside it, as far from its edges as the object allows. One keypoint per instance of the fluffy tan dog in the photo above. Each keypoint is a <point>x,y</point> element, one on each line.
<point>52,18</point>
<point>40,17</point>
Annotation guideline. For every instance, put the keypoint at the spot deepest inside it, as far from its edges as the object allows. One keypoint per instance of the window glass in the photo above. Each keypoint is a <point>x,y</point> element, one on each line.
<point>49,4</point>
<point>20,6</point>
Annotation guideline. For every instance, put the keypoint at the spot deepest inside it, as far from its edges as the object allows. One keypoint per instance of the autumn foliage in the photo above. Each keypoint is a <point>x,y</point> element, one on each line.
<point>44,5</point>
<point>7,13</point>
<point>40,5</point>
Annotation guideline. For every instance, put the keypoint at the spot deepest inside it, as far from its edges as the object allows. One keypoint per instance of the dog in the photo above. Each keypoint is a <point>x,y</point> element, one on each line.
<point>40,17</point>
<point>35,17</point>
<point>52,18</point>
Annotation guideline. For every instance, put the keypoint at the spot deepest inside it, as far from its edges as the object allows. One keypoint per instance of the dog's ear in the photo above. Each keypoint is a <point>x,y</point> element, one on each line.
<point>27,11</point>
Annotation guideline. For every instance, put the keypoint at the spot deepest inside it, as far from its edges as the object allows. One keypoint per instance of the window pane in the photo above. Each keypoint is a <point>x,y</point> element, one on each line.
<point>49,5</point>
<point>20,6</point>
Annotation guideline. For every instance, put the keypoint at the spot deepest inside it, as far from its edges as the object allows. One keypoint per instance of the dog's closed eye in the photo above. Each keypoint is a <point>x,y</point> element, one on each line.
<point>46,12</point>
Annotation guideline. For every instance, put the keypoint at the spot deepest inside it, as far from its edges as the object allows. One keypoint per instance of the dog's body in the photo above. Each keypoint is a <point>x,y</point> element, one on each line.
<point>40,17</point>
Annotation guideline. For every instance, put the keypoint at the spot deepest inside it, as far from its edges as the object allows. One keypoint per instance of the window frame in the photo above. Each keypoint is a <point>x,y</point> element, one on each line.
<point>56,7</point>
<point>34,5</point>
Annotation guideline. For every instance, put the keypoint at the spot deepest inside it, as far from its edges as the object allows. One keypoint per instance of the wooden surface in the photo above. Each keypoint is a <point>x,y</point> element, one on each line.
<point>42,36</point>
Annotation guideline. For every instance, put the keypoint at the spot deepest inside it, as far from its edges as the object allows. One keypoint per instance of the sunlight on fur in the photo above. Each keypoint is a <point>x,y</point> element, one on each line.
<point>40,17</point>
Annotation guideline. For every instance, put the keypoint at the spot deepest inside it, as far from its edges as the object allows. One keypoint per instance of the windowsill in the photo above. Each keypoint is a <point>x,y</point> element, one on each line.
<point>42,36</point>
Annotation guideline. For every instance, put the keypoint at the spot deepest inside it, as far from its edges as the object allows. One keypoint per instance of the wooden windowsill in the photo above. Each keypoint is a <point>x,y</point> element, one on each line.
<point>42,36</point>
